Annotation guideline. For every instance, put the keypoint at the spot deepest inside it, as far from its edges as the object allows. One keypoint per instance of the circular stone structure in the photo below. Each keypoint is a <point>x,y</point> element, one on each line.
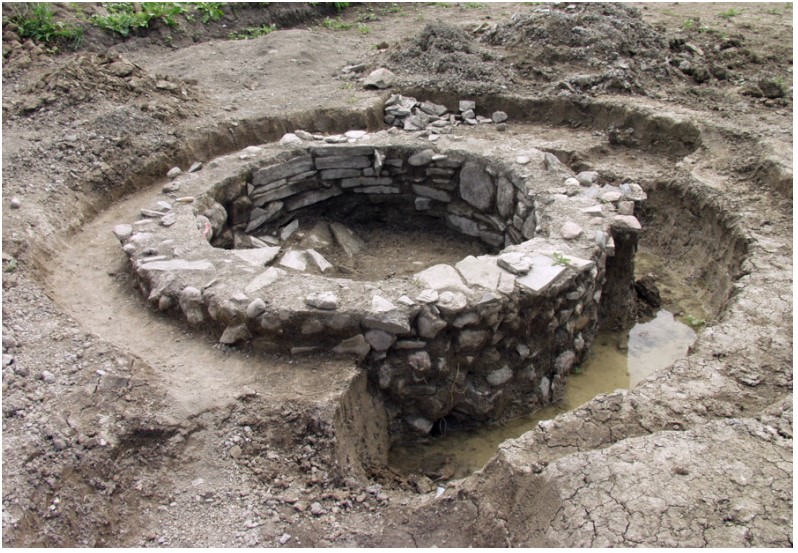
<point>488,336</point>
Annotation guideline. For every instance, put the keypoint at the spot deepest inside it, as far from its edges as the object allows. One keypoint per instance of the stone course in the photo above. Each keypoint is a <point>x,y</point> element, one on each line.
<point>491,335</point>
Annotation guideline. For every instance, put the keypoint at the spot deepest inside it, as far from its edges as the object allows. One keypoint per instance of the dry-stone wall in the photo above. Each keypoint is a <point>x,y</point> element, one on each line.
<point>488,336</point>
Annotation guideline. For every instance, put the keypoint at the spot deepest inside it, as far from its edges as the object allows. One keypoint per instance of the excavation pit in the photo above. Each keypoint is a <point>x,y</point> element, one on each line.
<point>492,333</point>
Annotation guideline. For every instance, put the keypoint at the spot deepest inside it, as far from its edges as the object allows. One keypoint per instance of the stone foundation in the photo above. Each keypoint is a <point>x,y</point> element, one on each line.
<point>489,336</point>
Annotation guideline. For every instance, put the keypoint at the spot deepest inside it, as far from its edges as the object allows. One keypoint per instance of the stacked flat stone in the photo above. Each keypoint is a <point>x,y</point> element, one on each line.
<point>409,114</point>
<point>488,335</point>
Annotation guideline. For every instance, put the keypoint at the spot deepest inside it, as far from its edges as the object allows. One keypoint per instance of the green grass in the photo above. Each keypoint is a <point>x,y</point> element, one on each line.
<point>252,32</point>
<point>36,21</point>
<point>695,322</point>
<point>731,12</point>
<point>336,24</point>
<point>474,5</point>
<point>560,259</point>
<point>210,11</point>
<point>124,18</point>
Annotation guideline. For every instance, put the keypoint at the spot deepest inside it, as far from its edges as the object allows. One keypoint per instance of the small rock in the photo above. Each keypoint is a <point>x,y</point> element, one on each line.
<point>570,230</point>
<point>501,127</point>
<point>515,262</point>
<point>355,134</point>
<point>234,334</point>
<point>467,105</point>
<point>420,158</point>
<point>522,160</point>
<point>168,220</point>
<point>381,305</point>
<point>196,166</point>
<point>235,452</point>
<point>316,509</point>
<point>15,203</point>
<point>171,187</point>
<point>255,308</point>
<point>499,117</point>
<point>570,181</point>
<point>322,300</point>
<point>290,140</point>
<point>380,78</point>
<point>173,172</point>
<point>48,377</point>
<point>587,178</point>
<point>304,135</point>
<point>284,539</point>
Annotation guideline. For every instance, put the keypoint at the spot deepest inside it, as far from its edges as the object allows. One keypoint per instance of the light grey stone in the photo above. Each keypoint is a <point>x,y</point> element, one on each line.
<point>587,178</point>
<point>366,181</point>
<point>294,259</point>
<point>310,198</point>
<point>342,162</point>
<point>479,271</point>
<point>190,301</point>
<point>261,198</point>
<point>332,174</point>
<point>571,181</point>
<point>434,193</point>
<point>626,208</point>
<point>472,340</point>
<point>234,334</point>
<point>499,117</point>
<point>419,424</point>
<point>610,195</point>
<point>432,109</point>
<point>505,196</point>
<point>319,260</point>
<point>322,300</point>
<point>379,78</point>
<point>123,232</point>
<point>258,256</point>
<point>593,210</point>
<point>476,186</point>
<point>168,220</point>
<point>266,278</point>
<point>255,308</point>
<point>196,166</point>
<point>274,173</point>
<point>542,274</point>
<point>564,362</point>
<point>260,216</point>
<point>347,239</point>
<point>380,340</point>
<point>173,172</point>
<point>377,190</point>
<point>429,325</point>
<point>465,225</point>
<point>355,134</point>
<point>178,265</point>
<point>451,303</point>
<point>499,376</point>
<point>405,300</point>
<point>570,230</point>
<point>419,361</point>
<point>290,140</point>
<point>633,191</point>
<point>381,305</point>
<point>304,135</point>
<point>428,296</point>
<point>393,322</point>
<point>628,221</point>
<point>466,105</point>
<point>288,230</point>
<point>515,262</point>
<point>356,345</point>
<point>441,277</point>
<point>420,158</point>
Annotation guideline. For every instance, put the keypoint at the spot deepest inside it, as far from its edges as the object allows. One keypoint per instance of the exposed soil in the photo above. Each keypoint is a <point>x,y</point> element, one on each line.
<point>121,427</point>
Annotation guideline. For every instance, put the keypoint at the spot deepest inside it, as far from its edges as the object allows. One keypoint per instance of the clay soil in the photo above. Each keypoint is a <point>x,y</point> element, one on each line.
<point>123,428</point>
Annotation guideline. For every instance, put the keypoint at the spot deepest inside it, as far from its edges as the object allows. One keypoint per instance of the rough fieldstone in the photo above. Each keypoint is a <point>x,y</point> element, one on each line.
<point>423,157</point>
<point>499,376</point>
<point>428,296</point>
<point>570,230</point>
<point>626,208</point>
<point>542,274</point>
<point>429,325</point>
<point>499,117</point>
<point>472,340</point>
<point>465,105</point>
<point>505,196</point>
<point>173,172</point>
<point>274,173</point>
<point>627,221</point>
<point>393,322</point>
<point>451,303</point>
<point>290,140</point>
<point>294,259</point>
<point>356,345</point>
<point>380,78</point>
<point>266,278</point>
<point>379,339</point>
<point>235,334</point>
<point>381,305</point>
<point>343,162</point>
<point>311,197</point>
<point>322,300</point>
<point>255,308</point>
<point>319,260</point>
<point>464,225</point>
<point>434,193</point>
<point>347,239</point>
<point>515,262</point>
<point>258,256</point>
<point>420,424</point>
<point>476,186</point>
<point>419,361</point>
<point>479,271</point>
<point>123,232</point>
<point>441,277</point>
<point>564,362</point>
<point>587,178</point>
<point>190,301</point>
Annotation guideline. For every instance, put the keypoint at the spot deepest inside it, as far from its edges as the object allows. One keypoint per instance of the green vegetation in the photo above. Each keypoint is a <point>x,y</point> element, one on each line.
<point>36,21</point>
<point>11,266</point>
<point>560,259</point>
<point>336,24</point>
<point>731,12</point>
<point>252,32</point>
<point>126,17</point>
<point>694,322</point>
<point>474,5</point>
<point>210,11</point>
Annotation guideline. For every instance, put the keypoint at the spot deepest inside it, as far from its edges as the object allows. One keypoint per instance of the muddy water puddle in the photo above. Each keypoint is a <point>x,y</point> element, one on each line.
<point>618,360</point>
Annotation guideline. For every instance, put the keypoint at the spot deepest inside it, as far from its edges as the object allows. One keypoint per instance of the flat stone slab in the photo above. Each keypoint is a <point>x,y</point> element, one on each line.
<point>294,259</point>
<point>441,277</point>
<point>480,271</point>
<point>178,265</point>
<point>267,277</point>
<point>543,272</point>
<point>258,256</point>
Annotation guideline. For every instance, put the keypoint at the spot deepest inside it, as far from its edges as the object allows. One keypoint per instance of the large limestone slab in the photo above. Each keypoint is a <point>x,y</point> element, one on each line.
<point>258,256</point>
<point>294,259</point>
<point>476,186</point>
<point>280,171</point>
<point>266,278</point>
<point>544,271</point>
<point>347,239</point>
<point>441,277</point>
<point>480,271</point>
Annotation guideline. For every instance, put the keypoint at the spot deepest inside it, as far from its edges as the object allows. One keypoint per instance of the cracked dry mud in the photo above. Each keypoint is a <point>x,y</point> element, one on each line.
<point>122,427</point>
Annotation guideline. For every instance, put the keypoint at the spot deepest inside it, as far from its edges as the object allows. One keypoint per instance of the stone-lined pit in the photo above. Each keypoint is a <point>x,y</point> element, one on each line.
<point>488,336</point>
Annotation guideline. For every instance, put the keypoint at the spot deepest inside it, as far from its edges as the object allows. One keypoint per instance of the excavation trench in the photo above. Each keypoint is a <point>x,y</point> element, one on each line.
<point>434,312</point>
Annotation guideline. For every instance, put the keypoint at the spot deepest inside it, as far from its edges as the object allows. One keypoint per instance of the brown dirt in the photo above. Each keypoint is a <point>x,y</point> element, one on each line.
<point>122,428</point>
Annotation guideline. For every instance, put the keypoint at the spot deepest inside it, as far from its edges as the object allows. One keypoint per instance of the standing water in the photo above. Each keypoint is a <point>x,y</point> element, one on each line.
<point>617,360</point>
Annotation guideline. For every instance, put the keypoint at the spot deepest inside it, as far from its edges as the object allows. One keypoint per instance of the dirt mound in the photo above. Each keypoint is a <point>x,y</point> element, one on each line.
<point>82,79</point>
<point>454,57</point>
<point>612,38</point>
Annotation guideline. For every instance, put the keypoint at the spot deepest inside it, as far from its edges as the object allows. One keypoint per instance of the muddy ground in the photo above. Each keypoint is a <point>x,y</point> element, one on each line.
<point>123,428</point>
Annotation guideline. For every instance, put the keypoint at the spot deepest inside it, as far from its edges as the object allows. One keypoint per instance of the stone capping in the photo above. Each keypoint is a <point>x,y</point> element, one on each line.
<point>487,336</point>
